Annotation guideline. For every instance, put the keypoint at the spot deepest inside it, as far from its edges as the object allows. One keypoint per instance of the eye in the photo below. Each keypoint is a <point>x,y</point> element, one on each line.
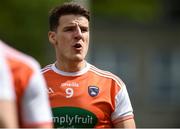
<point>84,29</point>
<point>69,29</point>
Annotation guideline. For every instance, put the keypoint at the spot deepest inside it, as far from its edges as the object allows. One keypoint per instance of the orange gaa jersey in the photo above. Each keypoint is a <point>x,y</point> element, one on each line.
<point>30,88</point>
<point>90,98</point>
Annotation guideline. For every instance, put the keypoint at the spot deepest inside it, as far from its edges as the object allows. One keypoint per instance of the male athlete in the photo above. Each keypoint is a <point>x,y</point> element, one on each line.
<point>81,95</point>
<point>30,89</point>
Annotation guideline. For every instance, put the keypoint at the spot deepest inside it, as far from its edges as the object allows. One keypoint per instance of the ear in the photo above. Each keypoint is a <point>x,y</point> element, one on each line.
<point>52,37</point>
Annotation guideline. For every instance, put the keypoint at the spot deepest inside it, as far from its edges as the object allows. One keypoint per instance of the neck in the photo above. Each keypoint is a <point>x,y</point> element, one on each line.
<point>70,67</point>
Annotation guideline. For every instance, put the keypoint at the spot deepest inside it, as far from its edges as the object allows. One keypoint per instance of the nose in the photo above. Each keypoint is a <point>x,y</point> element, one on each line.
<point>78,33</point>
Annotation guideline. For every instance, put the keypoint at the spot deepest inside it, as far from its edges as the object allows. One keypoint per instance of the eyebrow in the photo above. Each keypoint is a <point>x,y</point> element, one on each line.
<point>74,26</point>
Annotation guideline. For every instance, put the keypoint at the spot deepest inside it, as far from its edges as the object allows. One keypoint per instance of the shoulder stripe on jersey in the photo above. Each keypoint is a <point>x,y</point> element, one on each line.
<point>107,74</point>
<point>46,68</point>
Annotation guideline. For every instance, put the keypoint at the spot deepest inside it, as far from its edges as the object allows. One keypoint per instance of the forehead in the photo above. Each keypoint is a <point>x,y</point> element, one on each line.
<point>66,20</point>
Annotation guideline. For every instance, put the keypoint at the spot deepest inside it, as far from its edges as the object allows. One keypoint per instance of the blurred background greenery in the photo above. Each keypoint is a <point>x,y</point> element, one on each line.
<point>24,25</point>
<point>137,40</point>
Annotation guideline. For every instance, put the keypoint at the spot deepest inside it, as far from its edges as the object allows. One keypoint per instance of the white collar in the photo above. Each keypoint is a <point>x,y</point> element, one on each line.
<point>81,72</point>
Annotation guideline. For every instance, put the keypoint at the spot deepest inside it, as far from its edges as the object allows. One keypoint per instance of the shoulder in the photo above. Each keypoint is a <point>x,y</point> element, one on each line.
<point>46,68</point>
<point>106,74</point>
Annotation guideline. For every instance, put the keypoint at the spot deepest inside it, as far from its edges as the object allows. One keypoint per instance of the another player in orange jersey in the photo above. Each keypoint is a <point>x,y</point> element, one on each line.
<point>8,116</point>
<point>30,89</point>
<point>81,95</point>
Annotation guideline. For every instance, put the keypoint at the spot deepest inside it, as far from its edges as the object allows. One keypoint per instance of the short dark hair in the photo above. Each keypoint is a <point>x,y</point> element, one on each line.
<point>66,9</point>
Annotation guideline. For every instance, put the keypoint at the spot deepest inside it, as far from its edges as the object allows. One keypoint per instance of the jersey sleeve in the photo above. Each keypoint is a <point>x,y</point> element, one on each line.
<point>123,108</point>
<point>6,82</point>
<point>35,108</point>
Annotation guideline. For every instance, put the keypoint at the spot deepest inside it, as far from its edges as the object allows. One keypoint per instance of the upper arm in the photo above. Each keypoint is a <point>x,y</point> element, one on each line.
<point>123,114</point>
<point>130,123</point>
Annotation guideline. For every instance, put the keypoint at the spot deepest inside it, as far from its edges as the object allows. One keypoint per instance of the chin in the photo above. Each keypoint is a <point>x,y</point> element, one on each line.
<point>78,58</point>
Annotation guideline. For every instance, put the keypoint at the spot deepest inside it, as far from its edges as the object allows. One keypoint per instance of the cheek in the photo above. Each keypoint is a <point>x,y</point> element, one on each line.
<point>87,42</point>
<point>65,40</point>
<point>87,39</point>
<point>63,46</point>
<point>86,48</point>
<point>62,42</point>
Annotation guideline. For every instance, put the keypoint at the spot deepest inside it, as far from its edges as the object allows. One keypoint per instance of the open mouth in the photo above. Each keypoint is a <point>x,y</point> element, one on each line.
<point>77,45</point>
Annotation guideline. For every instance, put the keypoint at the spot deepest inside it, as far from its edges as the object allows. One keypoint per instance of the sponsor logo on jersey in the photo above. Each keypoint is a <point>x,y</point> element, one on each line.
<point>73,117</point>
<point>93,91</point>
<point>70,84</point>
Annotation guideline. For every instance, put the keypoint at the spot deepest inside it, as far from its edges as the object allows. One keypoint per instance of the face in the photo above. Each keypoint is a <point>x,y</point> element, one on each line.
<point>71,39</point>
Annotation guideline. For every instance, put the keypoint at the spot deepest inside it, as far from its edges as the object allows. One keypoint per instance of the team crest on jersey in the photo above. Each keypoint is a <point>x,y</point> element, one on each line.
<point>93,91</point>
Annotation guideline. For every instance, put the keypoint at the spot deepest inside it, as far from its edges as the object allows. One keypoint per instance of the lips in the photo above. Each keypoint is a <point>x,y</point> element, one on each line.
<point>77,45</point>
